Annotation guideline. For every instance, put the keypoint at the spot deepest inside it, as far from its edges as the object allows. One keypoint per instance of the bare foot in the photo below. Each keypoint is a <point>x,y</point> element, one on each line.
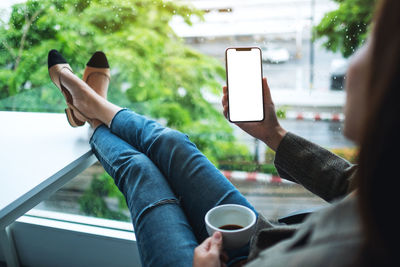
<point>99,82</point>
<point>87,101</point>
<point>84,98</point>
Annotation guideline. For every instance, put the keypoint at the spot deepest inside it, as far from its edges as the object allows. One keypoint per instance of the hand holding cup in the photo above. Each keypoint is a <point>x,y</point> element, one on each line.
<point>235,222</point>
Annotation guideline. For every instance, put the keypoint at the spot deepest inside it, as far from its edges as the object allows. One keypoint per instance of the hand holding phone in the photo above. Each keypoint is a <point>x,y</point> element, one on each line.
<point>244,82</point>
<point>269,130</point>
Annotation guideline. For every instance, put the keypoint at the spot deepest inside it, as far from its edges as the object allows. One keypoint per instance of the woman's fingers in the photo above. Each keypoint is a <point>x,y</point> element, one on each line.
<point>208,253</point>
<point>224,101</point>
<point>216,243</point>
<point>267,91</point>
<point>225,96</point>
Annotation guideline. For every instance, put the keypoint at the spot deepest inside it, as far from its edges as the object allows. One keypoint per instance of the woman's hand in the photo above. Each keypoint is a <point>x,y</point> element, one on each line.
<point>269,130</point>
<point>209,253</point>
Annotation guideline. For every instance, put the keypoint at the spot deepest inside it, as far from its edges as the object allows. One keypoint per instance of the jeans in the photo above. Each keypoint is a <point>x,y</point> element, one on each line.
<point>169,186</point>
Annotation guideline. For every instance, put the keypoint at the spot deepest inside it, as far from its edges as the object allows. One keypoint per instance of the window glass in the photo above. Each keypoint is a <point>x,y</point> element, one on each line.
<point>167,62</point>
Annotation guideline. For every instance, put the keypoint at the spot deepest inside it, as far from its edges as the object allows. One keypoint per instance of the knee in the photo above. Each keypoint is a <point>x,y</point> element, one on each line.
<point>130,166</point>
<point>159,207</point>
<point>170,137</point>
<point>135,164</point>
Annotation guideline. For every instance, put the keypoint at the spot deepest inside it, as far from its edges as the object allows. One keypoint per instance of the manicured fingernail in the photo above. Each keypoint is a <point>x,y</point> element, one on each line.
<point>217,235</point>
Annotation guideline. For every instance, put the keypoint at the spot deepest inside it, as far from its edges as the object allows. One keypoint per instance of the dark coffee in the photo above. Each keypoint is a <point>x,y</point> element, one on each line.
<point>230,227</point>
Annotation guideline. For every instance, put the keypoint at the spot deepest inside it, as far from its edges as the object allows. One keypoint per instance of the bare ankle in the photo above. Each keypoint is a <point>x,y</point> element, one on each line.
<point>106,110</point>
<point>95,123</point>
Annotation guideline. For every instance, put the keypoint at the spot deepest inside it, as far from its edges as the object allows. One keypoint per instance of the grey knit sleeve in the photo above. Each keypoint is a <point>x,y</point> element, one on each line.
<point>317,169</point>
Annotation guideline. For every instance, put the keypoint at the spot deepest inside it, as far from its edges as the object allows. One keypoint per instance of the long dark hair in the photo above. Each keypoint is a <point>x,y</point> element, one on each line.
<point>378,176</point>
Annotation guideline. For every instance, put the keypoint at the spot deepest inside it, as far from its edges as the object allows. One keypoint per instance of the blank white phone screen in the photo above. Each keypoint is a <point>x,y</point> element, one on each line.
<point>244,74</point>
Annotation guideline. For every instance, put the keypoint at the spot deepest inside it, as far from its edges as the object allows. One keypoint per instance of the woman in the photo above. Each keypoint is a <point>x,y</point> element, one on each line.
<point>169,185</point>
<point>377,177</point>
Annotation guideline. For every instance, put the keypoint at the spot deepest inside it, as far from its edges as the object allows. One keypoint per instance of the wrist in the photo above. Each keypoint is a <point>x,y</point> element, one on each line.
<point>274,139</point>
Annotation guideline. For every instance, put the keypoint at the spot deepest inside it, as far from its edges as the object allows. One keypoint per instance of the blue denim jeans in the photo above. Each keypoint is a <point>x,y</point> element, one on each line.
<point>169,186</point>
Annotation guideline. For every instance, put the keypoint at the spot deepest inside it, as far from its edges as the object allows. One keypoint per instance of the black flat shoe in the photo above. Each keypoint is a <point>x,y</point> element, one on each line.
<point>56,64</point>
<point>98,64</point>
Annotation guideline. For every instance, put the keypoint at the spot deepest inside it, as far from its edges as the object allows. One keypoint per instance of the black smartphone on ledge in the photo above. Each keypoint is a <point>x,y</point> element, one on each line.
<point>244,81</point>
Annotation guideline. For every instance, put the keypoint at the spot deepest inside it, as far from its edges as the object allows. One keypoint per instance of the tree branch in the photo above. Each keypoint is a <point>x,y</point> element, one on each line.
<point>9,49</point>
<point>29,22</point>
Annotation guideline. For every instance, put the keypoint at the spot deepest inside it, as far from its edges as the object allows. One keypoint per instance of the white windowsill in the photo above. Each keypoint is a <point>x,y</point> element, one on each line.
<point>46,238</point>
<point>79,223</point>
<point>39,153</point>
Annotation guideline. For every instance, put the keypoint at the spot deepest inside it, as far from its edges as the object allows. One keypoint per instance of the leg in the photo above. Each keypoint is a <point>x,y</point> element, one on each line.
<point>86,100</point>
<point>194,179</point>
<point>164,236</point>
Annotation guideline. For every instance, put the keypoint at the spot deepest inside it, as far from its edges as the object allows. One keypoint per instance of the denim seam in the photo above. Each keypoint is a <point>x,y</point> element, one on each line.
<point>156,204</point>
<point>103,157</point>
<point>225,196</point>
<point>155,140</point>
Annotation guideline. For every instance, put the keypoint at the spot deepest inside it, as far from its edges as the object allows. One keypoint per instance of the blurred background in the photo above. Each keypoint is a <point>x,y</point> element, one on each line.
<point>167,62</point>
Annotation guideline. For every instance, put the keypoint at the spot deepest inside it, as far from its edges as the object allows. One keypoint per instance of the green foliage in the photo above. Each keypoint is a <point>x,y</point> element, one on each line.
<point>269,156</point>
<point>281,112</point>
<point>93,203</point>
<point>346,28</point>
<point>153,71</point>
<point>214,137</point>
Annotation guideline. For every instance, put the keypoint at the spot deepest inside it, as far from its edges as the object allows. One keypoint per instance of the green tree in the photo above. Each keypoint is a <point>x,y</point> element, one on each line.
<point>93,203</point>
<point>346,28</point>
<point>153,71</point>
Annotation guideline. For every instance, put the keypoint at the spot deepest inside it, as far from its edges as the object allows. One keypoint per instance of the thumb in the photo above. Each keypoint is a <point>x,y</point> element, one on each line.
<point>216,242</point>
<point>267,91</point>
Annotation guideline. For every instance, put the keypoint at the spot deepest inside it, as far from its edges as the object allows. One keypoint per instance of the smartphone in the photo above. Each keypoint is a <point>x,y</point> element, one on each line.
<point>244,81</point>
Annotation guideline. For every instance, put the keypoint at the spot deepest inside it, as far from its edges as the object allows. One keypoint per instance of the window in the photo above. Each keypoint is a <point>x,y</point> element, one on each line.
<point>167,60</point>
